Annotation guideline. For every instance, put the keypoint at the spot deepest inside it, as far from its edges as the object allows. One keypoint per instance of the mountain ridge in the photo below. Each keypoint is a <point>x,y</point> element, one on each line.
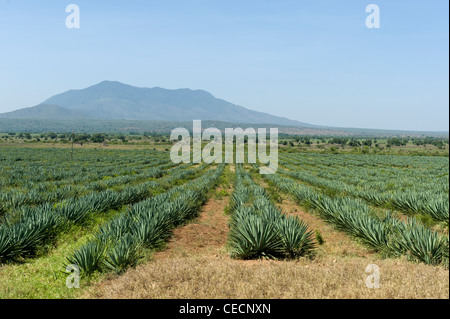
<point>110,100</point>
<point>41,111</point>
<point>116,101</point>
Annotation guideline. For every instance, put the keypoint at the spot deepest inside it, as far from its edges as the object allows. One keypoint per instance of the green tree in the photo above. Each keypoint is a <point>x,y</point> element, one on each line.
<point>98,138</point>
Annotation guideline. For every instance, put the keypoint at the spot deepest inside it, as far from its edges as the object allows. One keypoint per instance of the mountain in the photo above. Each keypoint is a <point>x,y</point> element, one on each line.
<point>111,106</point>
<point>45,111</point>
<point>110,100</point>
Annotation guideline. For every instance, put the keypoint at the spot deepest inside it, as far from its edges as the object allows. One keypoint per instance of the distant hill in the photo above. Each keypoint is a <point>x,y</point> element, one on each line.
<point>111,106</point>
<point>45,111</point>
<point>110,100</point>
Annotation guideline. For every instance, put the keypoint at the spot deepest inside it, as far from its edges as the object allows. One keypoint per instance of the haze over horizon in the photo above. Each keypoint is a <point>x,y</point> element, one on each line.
<point>311,62</point>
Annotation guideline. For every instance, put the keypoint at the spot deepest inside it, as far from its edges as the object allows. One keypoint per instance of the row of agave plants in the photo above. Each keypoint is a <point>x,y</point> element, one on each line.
<point>23,235</point>
<point>422,190</point>
<point>426,203</point>
<point>407,165</point>
<point>378,174</point>
<point>432,203</point>
<point>53,167</point>
<point>120,243</point>
<point>388,234</point>
<point>16,199</point>
<point>12,204</point>
<point>258,229</point>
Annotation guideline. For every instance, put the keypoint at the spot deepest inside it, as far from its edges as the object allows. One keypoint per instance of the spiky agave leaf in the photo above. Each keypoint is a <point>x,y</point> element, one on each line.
<point>369,230</point>
<point>88,257</point>
<point>422,244</point>
<point>73,211</point>
<point>297,240</point>
<point>123,255</point>
<point>5,244</point>
<point>253,237</point>
<point>115,229</point>
<point>152,230</point>
<point>3,208</point>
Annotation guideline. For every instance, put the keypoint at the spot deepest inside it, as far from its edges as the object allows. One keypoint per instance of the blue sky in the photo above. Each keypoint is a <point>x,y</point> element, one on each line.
<point>312,61</point>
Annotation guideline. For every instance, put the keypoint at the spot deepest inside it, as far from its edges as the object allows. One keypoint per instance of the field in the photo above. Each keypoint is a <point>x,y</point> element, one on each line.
<point>139,226</point>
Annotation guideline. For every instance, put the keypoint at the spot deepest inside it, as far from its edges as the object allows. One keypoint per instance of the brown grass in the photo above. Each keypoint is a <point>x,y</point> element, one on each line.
<point>198,277</point>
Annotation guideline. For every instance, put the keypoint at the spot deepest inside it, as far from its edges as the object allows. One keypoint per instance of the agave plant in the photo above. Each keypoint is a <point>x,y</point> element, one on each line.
<point>123,255</point>
<point>253,237</point>
<point>422,244</point>
<point>152,230</point>
<point>370,230</point>
<point>73,211</point>
<point>297,239</point>
<point>262,230</point>
<point>114,229</point>
<point>88,257</point>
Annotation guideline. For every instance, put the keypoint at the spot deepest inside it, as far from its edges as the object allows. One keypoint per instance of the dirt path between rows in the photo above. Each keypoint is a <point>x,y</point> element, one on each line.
<point>207,235</point>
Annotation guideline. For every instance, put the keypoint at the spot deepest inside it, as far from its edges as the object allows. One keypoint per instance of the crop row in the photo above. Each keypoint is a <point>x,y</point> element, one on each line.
<point>389,235</point>
<point>54,169</point>
<point>429,203</point>
<point>258,229</point>
<point>15,199</point>
<point>374,174</point>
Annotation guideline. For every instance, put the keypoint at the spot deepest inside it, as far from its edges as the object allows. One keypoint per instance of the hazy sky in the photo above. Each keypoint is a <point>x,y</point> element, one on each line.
<point>312,61</point>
